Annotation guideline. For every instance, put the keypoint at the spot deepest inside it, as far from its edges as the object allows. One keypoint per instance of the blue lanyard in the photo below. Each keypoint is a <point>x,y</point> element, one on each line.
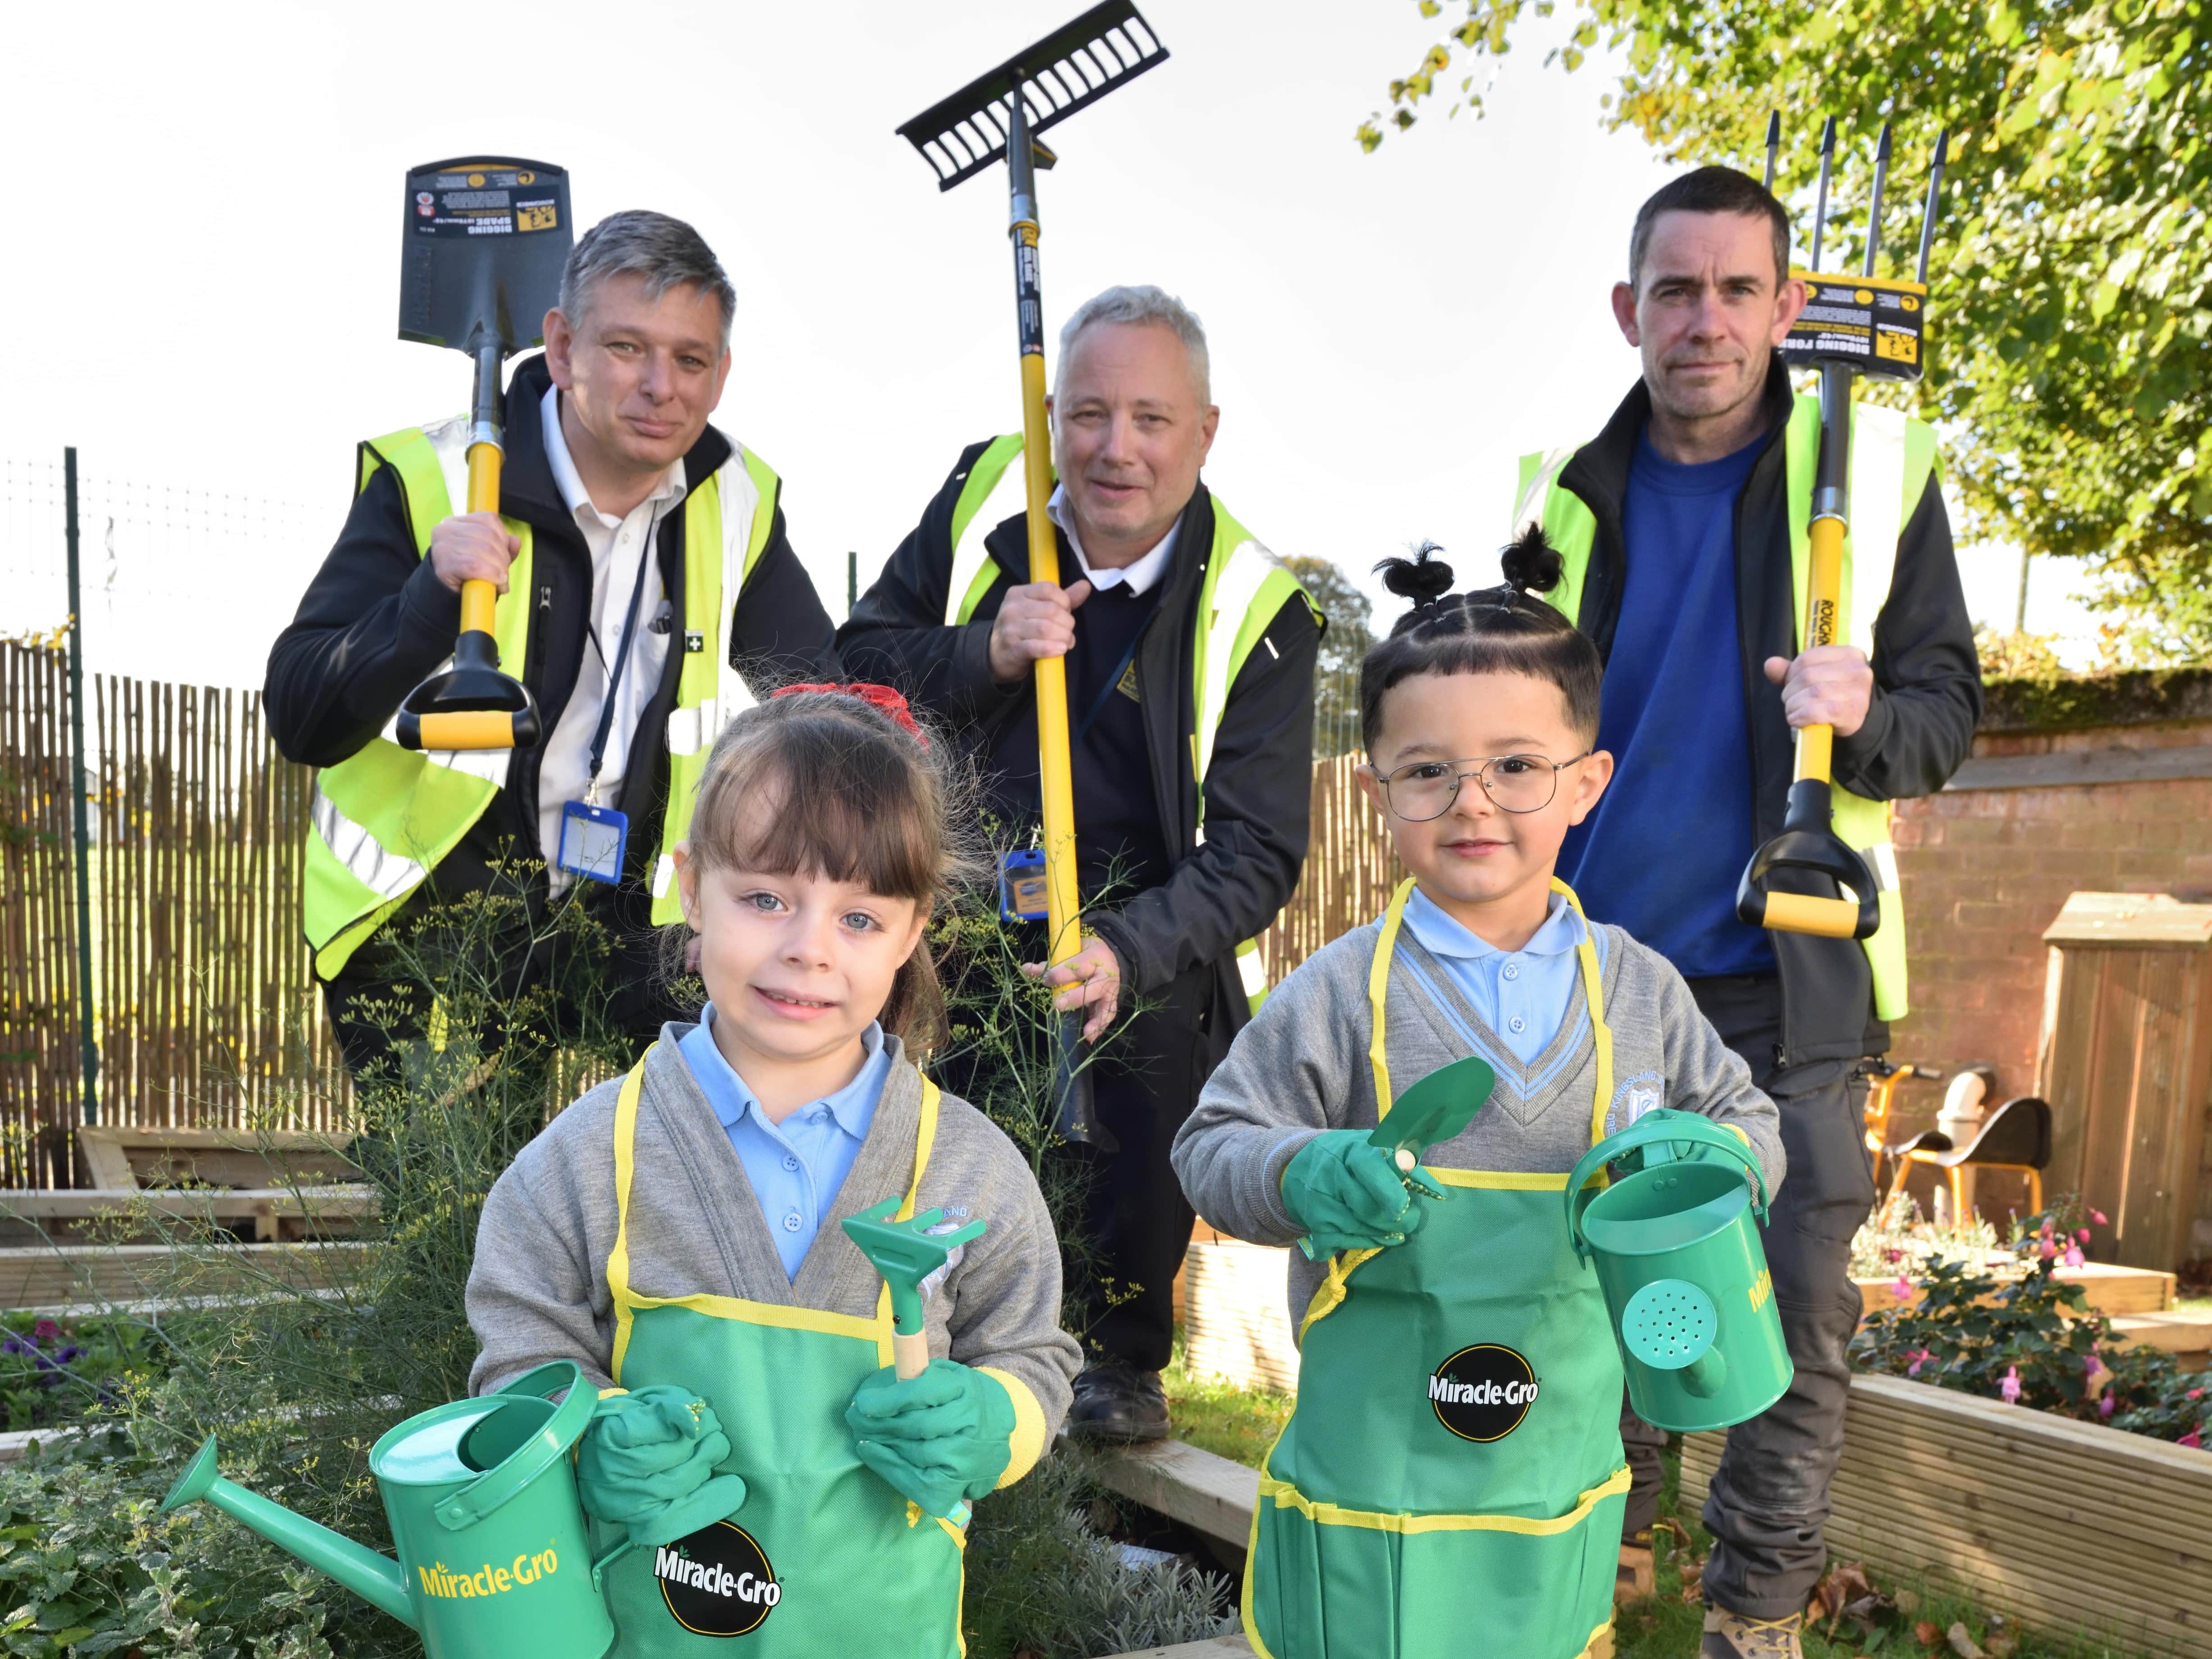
<point>621,658</point>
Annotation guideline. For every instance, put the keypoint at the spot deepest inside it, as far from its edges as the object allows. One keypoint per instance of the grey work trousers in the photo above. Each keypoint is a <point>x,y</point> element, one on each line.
<point>1769,1502</point>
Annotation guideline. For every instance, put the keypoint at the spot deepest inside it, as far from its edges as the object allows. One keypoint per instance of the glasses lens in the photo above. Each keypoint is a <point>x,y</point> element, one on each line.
<point>1521,783</point>
<point>1423,790</point>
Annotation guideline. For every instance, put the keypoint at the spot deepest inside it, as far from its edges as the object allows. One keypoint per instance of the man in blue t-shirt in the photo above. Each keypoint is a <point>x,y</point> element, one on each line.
<point>1687,589</point>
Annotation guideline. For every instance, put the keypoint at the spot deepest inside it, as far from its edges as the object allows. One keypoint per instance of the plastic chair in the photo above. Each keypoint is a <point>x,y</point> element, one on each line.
<point>1882,1082</point>
<point>2016,1137</point>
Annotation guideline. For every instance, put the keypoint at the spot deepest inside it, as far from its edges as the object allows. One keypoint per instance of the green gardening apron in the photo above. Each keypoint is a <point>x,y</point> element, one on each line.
<point>1451,1479</point>
<point>823,1557</point>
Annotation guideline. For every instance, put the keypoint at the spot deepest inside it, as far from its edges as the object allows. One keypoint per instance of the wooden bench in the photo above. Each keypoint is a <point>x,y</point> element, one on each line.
<point>127,1157</point>
<point>280,1182</point>
<point>275,1212</point>
<point>89,1278</point>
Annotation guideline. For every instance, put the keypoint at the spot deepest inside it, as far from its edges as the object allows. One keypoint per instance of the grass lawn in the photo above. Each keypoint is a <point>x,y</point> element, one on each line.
<point>1241,1424</point>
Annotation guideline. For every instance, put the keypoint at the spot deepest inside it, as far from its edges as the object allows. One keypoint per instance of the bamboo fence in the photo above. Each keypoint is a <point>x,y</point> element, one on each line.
<point>204,999</point>
<point>1349,875</point>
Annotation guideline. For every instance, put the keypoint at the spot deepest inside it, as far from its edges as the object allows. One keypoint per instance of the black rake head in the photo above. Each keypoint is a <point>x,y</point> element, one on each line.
<point>1075,66</point>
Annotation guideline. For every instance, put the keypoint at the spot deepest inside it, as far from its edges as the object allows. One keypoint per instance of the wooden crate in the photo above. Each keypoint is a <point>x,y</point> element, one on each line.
<point>1236,1323</point>
<point>124,1156</point>
<point>2108,1288</point>
<point>2125,1060</point>
<point>2065,1525</point>
<point>88,1276</point>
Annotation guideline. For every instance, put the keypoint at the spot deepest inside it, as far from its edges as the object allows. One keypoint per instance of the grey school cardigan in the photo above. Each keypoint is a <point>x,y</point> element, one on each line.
<point>539,1290</point>
<point>1301,1066</point>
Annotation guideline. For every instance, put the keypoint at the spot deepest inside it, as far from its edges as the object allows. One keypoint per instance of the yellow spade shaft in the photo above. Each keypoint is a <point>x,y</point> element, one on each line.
<point>478,597</point>
<point>1055,773</point>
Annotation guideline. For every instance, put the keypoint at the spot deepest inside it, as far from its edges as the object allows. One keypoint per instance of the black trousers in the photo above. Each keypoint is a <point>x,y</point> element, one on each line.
<point>1769,1502</point>
<point>1137,1221</point>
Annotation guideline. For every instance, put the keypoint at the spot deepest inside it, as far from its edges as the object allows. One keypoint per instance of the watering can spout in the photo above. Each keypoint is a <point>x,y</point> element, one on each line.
<point>375,1578</point>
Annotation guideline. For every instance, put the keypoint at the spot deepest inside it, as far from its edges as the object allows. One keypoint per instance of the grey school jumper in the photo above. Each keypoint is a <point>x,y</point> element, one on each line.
<point>1301,1066</point>
<point>539,1290</point>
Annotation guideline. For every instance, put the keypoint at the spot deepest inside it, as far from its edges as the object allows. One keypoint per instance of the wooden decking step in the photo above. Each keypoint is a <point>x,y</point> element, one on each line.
<point>2176,1330</point>
<point>1207,1494</point>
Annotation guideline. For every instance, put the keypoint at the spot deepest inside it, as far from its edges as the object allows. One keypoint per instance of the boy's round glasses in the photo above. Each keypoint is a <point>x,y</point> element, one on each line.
<point>1422,790</point>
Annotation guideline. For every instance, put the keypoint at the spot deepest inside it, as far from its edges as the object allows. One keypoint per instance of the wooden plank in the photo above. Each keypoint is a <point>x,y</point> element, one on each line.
<point>2069,1524</point>
<point>2134,920</point>
<point>1207,1494</point>
<point>2109,1288</point>
<point>2187,1330</point>
<point>2078,768</point>
<point>1236,1320</point>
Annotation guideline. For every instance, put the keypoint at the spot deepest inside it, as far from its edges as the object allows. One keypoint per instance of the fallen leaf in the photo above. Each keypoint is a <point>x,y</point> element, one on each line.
<point>1927,1634</point>
<point>2002,1644</point>
<point>1693,1574</point>
<point>1668,1523</point>
<point>1961,1642</point>
<point>1842,1586</point>
<point>1908,1602</point>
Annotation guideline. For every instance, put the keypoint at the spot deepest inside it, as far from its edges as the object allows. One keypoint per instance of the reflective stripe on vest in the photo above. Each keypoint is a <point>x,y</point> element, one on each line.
<point>733,511</point>
<point>1244,588</point>
<point>1893,459</point>
<point>383,818</point>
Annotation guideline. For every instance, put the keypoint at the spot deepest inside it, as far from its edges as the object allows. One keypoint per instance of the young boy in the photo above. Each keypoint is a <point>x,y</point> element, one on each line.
<point>1453,1473</point>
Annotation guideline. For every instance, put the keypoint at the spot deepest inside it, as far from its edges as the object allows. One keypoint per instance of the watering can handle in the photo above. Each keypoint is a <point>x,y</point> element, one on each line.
<point>1658,1125</point>
<point>546,1448</point>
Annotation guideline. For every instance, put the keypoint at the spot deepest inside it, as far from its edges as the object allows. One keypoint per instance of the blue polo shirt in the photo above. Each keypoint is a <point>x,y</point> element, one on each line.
<point>1523,996</point>
<point>1661,852</point>
<point>797,1166</point>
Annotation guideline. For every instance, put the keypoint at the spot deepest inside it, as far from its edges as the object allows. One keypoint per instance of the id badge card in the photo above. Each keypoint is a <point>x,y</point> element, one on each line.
<point>1022,887</point>
<point>592,841</point>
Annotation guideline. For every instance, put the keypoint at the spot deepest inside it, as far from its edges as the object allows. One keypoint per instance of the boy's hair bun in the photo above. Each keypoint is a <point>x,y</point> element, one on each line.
<point>1530,563</point>
<point>1423,579</point>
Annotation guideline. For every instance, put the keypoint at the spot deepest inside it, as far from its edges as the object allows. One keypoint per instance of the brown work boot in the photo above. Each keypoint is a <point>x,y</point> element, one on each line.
<point>1633,1580</point>
<point>1732,1636</point>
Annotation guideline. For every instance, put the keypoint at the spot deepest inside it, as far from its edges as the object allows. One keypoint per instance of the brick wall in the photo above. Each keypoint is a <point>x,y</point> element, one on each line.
<point>1985,869</point>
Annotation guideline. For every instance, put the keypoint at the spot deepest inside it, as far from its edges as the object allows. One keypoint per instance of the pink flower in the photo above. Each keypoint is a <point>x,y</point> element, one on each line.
<point>2194,1393</point>
<point>2091,1365</point>
<point>1901,1288</point>
<point>2083,1235</point>
<point>2097,1215</point>
<point>2073,1258</point>
<point>2046,1227</point>
<point>2105,1406</point>
<point>45,1330</point>
<point>1892,1254</point>
<point>2192,1440</point>
<point>2010,1387</point>
<point>2046,1249</point>
<point>1919,1358</point>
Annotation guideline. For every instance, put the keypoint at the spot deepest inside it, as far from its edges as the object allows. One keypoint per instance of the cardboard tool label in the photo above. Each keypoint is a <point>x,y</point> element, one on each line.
<point>1873,324</point>
<point>486,201</point>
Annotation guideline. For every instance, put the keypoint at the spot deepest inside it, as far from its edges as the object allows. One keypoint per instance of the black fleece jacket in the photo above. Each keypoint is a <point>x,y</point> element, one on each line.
<point>376,620</point>
<point>1919,724</point>
<point>1258,791</point>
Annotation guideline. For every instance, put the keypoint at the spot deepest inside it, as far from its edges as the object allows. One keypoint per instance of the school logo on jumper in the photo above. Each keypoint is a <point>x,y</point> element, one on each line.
<point>1644,1092</point>
<point>1482,1392</point>
<point>717,1581</point>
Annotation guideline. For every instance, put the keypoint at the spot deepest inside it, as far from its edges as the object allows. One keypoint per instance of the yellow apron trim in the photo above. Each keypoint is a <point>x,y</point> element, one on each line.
<point>1601,1033</point>
<point>781,1316</point>
<point>1329,1293</point>
<point>1252,1545</point>
<point>1027,1441</point>
<point>1287,1496</point>
<point>1503,1181</point>
<point>1600,1645</point>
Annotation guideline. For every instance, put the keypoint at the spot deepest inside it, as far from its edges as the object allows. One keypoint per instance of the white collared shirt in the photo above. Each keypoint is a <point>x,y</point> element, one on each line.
<point>616,545</point>
<point>1139,576</point>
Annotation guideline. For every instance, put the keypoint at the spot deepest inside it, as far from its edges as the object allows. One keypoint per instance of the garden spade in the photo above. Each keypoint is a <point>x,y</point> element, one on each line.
<point>1852,324</point>
<point>1435,1109</point>
<point>999,114</point>
<point>485,242</point>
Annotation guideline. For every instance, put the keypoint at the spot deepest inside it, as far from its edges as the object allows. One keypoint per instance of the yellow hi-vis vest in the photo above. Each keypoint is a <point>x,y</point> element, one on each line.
<point>383,818</point>
<point>1893,459</point>
<point>1243,587</point>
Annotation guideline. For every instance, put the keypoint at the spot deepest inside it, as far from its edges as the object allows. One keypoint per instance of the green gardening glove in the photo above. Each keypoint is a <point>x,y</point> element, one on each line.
<point>646,1463</point>
<point>1348,1195</point>
<point>940,1438</point>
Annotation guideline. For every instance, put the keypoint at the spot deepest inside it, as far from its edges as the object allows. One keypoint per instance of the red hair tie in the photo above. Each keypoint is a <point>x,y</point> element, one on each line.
<point>876,696</point>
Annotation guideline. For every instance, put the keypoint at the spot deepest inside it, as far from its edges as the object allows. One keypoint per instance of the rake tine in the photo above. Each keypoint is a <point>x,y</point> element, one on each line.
<point>1773,143</point>
<point>1927,219</point>
<point>1821,203</point>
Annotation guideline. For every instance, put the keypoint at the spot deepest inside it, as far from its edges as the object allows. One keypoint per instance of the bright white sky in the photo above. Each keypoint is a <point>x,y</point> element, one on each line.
<point>205,270</point>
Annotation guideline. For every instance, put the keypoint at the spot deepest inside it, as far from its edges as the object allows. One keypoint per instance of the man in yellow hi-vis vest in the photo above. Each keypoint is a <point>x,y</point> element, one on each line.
<point>646,592</point>
<point>1683,526</point>
<point>1190,664</point>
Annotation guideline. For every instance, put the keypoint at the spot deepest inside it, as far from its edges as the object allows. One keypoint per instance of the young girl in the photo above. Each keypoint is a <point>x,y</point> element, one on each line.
<point>1452,1478</point>
<point>676,1233</point>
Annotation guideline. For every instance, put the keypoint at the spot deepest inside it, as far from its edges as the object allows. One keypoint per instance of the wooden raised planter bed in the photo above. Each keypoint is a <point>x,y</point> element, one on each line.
<point>2068,1525</point>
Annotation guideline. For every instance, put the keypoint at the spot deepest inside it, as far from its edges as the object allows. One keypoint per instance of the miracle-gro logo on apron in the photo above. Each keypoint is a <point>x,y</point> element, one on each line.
<point>717,1581</point>
<point>1482,1392</point>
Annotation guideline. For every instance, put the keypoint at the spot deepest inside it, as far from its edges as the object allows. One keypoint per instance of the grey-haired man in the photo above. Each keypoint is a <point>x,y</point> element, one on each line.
<point>637,551</point>
<point>1190,662</point>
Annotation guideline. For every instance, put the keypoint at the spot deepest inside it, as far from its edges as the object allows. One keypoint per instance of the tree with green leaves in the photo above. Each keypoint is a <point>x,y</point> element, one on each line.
<point>1349,639</point>
<point>2071,287</point>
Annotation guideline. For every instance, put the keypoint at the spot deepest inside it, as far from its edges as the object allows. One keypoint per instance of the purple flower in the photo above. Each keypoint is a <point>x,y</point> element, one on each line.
<point>16,1345</point>
<point>2105,1405</point>
<point>2010,1387</point>
<point>2091,1365</point>
<point>68,1354</point>
<point>2073,1258</point>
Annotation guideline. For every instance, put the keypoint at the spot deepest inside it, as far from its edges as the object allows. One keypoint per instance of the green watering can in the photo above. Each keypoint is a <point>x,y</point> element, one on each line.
<point>493,1553</point>
<point>1684,1275</point>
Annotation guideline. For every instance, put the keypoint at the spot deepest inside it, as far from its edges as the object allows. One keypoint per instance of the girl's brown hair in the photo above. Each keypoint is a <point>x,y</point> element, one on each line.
<point>852,797</point>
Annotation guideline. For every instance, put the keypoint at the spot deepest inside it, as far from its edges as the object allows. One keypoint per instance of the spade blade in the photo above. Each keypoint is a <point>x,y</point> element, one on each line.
<point>486,238</point>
